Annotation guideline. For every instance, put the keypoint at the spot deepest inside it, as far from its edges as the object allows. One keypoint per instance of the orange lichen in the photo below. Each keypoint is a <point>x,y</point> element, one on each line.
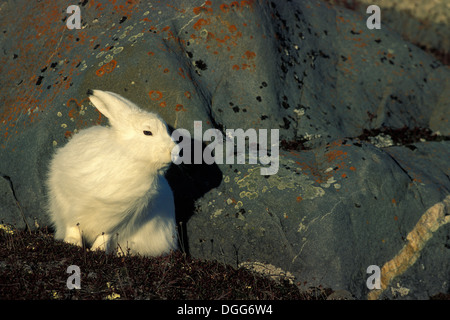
<point>68,134</point>
<point>224,39</point>
<point>198,10</point>
<point>181,73</point>
<point>335,155</point>
<point>179,107</point>
<point>312,170</point>
<point>155,95</point>
<point>249,54</point>
<point>107,68</point>
<point>200,23</point>
<point>232,28</point>
<point>76,115</point>
<point>224,7</point>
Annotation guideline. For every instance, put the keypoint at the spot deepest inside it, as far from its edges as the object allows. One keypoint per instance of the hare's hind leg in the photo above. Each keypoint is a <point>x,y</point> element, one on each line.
<point>102,242</point>
<point>73,235</point>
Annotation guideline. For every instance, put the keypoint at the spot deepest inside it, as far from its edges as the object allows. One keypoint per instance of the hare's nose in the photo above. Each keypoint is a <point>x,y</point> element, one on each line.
<point>175,153</point>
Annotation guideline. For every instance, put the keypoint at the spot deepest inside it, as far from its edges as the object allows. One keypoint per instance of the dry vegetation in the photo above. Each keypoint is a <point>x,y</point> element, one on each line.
<point>33,266</point>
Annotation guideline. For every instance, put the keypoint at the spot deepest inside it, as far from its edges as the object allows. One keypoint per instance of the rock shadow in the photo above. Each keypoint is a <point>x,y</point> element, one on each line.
<point>189,182</point>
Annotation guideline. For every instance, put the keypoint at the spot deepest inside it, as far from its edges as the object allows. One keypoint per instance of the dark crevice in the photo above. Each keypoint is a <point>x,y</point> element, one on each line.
<point>11,185</point>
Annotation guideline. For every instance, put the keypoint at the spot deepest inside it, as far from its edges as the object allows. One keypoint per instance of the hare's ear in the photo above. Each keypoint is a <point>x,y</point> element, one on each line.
<point>111,105</point>
<point>100,100</point>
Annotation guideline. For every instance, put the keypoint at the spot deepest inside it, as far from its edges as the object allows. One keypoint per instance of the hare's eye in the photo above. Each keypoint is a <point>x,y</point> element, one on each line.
<point>148,133</point>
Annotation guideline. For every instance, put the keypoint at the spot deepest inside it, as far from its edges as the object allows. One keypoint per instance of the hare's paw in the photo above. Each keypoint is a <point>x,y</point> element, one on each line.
<point>73,241</point>
<point>73,236</point>
<point>101,243</point>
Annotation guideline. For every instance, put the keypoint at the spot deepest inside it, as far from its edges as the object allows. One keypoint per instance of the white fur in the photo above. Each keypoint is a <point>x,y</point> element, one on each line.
<point>106,184</point>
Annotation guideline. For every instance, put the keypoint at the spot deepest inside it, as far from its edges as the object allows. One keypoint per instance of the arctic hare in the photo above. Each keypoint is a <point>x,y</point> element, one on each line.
<point>106,185</point>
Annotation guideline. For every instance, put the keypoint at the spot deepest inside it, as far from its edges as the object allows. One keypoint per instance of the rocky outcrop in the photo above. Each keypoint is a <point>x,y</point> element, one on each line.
<point>424,23</point>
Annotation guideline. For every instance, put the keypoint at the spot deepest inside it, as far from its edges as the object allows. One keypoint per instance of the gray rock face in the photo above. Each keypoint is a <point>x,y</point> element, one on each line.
<point>336,205</point>
<point>425,23</point>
